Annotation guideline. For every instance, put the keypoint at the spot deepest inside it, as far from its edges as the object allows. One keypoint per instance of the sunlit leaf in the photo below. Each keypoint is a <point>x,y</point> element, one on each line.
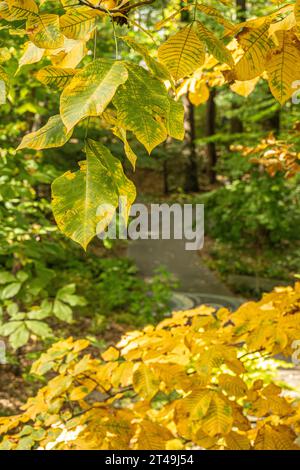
<point>91,90</point>
<point>78,196</point>
<point>53,134</point>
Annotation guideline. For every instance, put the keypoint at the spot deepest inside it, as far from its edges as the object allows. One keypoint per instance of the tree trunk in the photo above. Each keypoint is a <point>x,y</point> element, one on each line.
<point>210,131</point>
<point>189,149</point>
<point>241,9</point>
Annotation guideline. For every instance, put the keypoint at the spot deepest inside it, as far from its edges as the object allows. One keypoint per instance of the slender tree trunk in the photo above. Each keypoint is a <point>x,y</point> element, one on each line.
<point>189,148</point>
<point>241,9</point>
<point>210,131</point>
<point>273,122</point>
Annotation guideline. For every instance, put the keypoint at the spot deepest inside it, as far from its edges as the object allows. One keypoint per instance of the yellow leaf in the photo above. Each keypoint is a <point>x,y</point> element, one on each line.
<point>31,54</point>
<point>232,385</point>
<point>22,9</point>
<point>78,22</point>
<point>182,53</point>
<point>200,94</point>
<point>237,441</point>
<point>283,66</point>
<point>145,383</point>
<point>256,45</point>
<point>44,31</point>
<point>244,88</point>
<point>111,354</point>
<point>218,419</point>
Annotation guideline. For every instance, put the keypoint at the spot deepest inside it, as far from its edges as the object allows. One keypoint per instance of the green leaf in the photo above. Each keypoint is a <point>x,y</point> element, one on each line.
<point>91,90</point>
<point>175,119</point>
<point>77,196</point>
<point>9,327</point>
<point>142,104</point>
<point>121,134</point>
<point>12,309</point>
<point>19,337</point>
<point>6,277</point>
<point>53,134</point>
<point>62,311</point>
<point>11,290</point>
<point>39,328</point>
<point>39,313</point>
<point>66,294</point>
<point>158,69</point>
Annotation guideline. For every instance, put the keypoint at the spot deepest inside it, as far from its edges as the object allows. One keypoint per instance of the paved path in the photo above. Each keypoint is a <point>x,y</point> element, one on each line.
<point>191,272</point>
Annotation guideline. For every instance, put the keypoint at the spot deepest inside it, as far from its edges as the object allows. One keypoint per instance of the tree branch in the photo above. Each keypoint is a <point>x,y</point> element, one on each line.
<point>123,10</point>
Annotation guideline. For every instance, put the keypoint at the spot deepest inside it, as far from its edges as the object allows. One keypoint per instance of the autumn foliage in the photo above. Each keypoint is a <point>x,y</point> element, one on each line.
<point>189,382</point>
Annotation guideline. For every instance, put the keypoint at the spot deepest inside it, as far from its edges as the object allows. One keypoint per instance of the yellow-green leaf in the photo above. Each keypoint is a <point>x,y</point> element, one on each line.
<point>22,9</point>
<point>78,22</point>
<point>53,134</point>
<point>77,197</point>
<point>142,104</point>
<point>55,77</point>
<point>214,45</point>
<point>91,90</point>
<point>44,31</point>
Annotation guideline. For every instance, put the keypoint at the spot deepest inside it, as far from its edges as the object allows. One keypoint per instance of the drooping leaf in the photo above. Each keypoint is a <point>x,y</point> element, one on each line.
<point>158,69</point>
<point>142,104</point>
<point>121,134</point>
<point>91,90</point>
<point>175,119</point>
<point>78,196</point>
<point>283,66</point>
<point>214,45</point>
<point>53,134</point>
<point>256,45</point>
<point>69,55</point>
<point>182,53</point>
